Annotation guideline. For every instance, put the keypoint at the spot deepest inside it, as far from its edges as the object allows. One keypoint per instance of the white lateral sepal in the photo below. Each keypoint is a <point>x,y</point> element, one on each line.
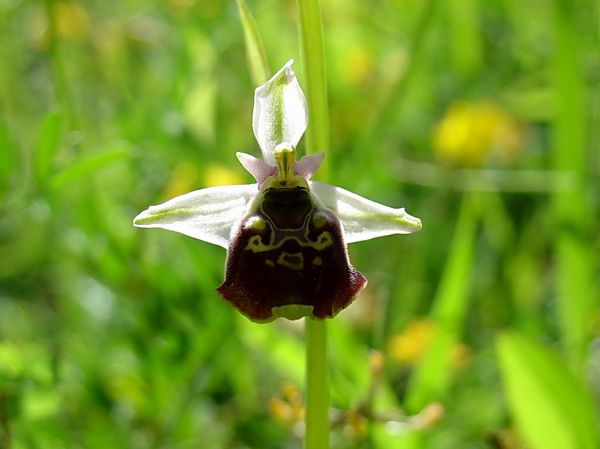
<point>207,214</point>
<point>361,218</point>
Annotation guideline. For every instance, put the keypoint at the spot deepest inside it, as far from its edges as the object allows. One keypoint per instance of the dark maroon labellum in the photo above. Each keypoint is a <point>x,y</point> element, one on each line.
<point>289,253</point>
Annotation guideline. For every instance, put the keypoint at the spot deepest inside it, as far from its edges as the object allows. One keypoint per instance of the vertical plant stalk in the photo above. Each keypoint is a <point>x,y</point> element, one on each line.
<point>575,262</point>
<point>257,61</point>
<point>432,376</point>
<point>317,139</point>
<point>59,75</point>
<point>317,386</point>
<point>313,67</point>
<point>387,115</point>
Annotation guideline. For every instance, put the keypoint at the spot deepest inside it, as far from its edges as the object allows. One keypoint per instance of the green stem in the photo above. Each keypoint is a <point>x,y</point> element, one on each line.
<point>317,139</point>
<point>388,114</point>
<point>59,75</point>
<point>313,64</point>
<point>317,388</point>
<point>574,258</point>
<point>257,60</point>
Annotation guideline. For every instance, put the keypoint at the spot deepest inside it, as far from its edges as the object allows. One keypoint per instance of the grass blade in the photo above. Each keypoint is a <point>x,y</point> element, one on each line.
<point>575,261</point>
<point>549,404</point>
<point>257,61</point>
<point>313,68</point>
<point>464,35</point>
<point>432,375</point>
<point>88,165</point>
<point>48,141</point>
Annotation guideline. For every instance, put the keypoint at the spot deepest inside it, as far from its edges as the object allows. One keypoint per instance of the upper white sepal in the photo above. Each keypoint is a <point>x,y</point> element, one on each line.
<point>280,114</point>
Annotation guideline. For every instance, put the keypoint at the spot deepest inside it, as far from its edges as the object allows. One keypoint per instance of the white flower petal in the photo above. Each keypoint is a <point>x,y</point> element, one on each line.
<point>361,218</point>
<point>280,114</point>
<point>207,214</point>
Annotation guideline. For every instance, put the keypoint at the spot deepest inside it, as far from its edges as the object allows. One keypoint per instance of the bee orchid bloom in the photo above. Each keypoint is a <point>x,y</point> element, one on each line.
<point>285,235</point>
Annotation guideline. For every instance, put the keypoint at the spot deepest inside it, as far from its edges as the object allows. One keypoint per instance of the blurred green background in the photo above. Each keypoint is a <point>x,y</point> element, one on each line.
<point>482,331</point>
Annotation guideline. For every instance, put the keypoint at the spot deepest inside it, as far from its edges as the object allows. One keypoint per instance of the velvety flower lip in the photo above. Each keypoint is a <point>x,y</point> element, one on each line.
<point>285,235</point>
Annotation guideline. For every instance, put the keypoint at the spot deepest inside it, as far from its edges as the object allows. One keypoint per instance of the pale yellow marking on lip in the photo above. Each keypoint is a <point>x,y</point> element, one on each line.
<point>270,263</point>
<point>293,261</point>
<point>256,223</point>
<point>317,261</point>
<point>256,245</point>
<point>319,220</point>
<point>323,241</point>
<point>292,311</point>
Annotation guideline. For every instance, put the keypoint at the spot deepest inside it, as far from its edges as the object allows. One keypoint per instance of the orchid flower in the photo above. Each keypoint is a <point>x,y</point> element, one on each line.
<point>285,235</point>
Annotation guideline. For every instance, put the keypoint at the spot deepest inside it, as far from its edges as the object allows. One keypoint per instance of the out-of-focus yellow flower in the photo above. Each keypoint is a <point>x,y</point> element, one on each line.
<point>408,346</point>
<point>428,417</point>
<point>288,410</point>
<point>109,40</point>
<point>181,6</point>
<point>355,424</point>
<point>356,65</point>
<point>216,174</point>
<point>72,21</point>
<point>280,410</point>
<point>404,2</point>
<point>206,8</point>
<point>460,356</point>
<point>506,439</point>
<point>291,393</point>
<point>183,179</point>
<point>376,363</point>
<point>471,133</point>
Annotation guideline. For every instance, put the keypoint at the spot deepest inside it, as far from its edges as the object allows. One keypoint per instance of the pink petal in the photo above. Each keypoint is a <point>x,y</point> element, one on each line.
<point>306,166</point>
<point>256,167</point>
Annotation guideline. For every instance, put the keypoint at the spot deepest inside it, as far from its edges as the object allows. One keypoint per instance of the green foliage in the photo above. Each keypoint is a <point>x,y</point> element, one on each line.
<point>257,61</point>
<point>432,376</point>
<point>480,118</point>
<point>549,403</point>
<point>48,143</point>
